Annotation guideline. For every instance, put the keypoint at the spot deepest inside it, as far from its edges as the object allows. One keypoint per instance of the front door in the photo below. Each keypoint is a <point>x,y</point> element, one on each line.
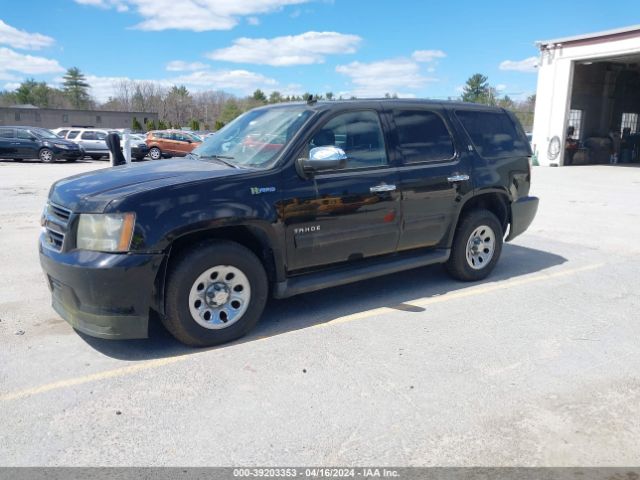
<point>435,175</point>
<point>28,145</point>
<point>348,214</point>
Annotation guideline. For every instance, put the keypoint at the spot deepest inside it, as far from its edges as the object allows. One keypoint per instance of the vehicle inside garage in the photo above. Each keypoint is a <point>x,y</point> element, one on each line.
<point>602,125</point>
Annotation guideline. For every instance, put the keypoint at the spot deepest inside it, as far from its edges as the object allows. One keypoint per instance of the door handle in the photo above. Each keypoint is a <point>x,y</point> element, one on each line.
<point>382,188</point>
<point>458,178</point>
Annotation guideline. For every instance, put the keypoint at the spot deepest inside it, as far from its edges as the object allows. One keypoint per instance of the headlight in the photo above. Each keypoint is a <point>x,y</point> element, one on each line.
<point>60,145</point>
<point>105,232</point>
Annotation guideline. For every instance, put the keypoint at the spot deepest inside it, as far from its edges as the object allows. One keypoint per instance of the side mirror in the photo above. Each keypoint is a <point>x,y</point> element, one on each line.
<point>324,158</point>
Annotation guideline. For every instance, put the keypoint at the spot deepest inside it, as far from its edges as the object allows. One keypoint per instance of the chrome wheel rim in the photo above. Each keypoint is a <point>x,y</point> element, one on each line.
<point>219,297</point>
<point>46,155</point>
<point>481,247</point>
<point>154,153</point>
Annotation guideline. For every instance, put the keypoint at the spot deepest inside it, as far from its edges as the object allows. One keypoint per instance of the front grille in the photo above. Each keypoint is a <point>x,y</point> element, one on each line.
<point>59,212</point>
<point>56,225</point>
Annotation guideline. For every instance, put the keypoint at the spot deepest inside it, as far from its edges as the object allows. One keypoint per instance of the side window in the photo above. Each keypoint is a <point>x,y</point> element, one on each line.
<point>101,135</point>
<point>359,134</point>
<point>493,134</point>
<point>62,133</point>
<point>25,134</point>
<point>6,133</point>
<point>73,134</point>
<point>423,136</point>
<point>88,135</point>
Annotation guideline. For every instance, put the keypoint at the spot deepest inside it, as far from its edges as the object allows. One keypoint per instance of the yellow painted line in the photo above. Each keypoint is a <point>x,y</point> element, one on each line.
<point>71,382</point>
<point>465,293</point>
<point>420,302</point>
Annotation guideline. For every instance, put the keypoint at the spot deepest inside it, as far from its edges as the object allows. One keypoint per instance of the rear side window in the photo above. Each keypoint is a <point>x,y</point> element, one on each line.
<point>73,134</point>
<point>101,135</point>
<point>493,134</point>
<point>62,133</point>
<point>6,133</point>
<point>423,136</point>
<point>88,135</point>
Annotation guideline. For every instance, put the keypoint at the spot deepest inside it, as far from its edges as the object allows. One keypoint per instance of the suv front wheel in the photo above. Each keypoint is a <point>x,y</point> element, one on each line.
<point>215,293</point>
<point>476,247</point>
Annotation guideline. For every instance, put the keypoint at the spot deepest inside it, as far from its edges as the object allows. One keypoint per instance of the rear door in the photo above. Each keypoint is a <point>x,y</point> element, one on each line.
<point>435,174</point>
<point>8,147</point>
<point>348,214</point>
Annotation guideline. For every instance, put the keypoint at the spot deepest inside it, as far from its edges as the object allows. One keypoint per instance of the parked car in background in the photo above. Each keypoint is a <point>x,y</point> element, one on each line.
<point>171,143</point>
<point>19,143</point>
<point>138,144</point>
<point>91,140</point>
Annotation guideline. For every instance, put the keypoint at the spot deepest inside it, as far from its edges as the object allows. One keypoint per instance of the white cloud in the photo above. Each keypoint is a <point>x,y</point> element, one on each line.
<point>10,60</point>
<point>304,49</point>
<point>181,66</point>
<point>196,15</point>
<point>20,39</point>
<point>501,87</point>
<point>427,55</point>
<point>253,21</point>
<point>241,82</point>
<point>528,65</point>
<point>398,75</point>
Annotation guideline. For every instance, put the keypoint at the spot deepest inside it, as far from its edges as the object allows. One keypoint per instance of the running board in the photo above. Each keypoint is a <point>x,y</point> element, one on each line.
<point>372,268</point>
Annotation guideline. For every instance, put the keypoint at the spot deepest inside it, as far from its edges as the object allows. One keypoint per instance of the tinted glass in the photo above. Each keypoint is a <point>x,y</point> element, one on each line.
<point>423,136</point>
<point>25,134</point>
<point>73,133</point>
<point>6,133</point>
<point>62,133</point>
<point>359,134</point>
<point>88,135</point>
<point>493,134</point>
<point>101,135</point>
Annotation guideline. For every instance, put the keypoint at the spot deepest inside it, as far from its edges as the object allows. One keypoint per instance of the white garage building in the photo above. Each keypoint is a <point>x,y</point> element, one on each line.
<point>588,98</point>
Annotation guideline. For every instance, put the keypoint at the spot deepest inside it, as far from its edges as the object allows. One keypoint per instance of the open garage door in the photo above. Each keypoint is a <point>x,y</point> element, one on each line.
<point>602,124</point>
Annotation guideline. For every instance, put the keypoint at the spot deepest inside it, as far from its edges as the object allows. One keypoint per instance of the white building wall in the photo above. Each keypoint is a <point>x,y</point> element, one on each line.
<point>555,78</point>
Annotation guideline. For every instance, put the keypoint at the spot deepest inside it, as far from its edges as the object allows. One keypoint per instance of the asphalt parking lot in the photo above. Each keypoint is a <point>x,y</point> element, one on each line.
<point>538,365</point>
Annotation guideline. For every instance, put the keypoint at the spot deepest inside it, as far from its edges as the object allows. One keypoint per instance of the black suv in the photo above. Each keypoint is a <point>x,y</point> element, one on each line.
<point>20,143</point>
<point>284,200</point>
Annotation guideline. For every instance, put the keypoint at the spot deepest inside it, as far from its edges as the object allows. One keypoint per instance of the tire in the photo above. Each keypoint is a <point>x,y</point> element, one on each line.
<point>96,157</point>
<point>17,159</point>
<point>72,160</point>
<point>139,159</point>
<point>155,153</point>
<point>199,281</point>
<point>46,155</point>
<point>477,246</point>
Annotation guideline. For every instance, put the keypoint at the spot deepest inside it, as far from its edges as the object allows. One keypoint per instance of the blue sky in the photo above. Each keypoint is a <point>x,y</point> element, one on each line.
<point>349,47</point>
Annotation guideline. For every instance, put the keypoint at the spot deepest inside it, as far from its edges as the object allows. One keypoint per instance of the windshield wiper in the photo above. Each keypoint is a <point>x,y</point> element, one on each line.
<point>221,159</point>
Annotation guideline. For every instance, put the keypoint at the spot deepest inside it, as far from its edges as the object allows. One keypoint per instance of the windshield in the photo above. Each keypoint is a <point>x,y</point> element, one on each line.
<point>256,137</point>
<point>44,133</point>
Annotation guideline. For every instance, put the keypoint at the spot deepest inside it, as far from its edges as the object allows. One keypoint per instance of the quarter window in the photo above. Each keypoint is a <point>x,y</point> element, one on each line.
<point>359,134</point>
<point>101,136</point>
<point>423,136</point>
<point>493,134</point>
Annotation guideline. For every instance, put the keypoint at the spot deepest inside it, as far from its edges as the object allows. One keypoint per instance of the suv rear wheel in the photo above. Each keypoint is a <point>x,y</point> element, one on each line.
<point>476,247</point>
<point>155,153</point>
<point>215,293</point>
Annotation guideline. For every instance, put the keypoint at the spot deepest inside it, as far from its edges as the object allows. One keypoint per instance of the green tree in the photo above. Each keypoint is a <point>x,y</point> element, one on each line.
<point>230,111</point>
<point>476,89</point>
<point>218,125</point>
<point>275,97</point>
<point>194,125</point>
<point>136,126</point>
<point>162,125</point>
<point>329,95</point>
<point>34,93</point>
<point>307,96</point>
<point>151,125</point>
<point>259,96</point>
<point>76,88</point>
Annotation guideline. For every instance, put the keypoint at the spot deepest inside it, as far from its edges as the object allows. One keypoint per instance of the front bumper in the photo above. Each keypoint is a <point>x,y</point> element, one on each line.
<point>523,211</point>
<point>103,295</point>
<point>66,153</point>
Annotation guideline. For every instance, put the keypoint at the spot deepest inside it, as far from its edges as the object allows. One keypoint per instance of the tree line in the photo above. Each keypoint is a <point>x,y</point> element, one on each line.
<point>177,107</point>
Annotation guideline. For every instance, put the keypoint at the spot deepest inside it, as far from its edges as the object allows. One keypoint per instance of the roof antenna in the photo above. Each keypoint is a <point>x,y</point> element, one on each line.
<point>312,100</point>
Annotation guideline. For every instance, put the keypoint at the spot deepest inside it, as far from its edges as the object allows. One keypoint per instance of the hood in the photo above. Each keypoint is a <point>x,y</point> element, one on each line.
<point>60,141</point>
<point>93,191</point>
